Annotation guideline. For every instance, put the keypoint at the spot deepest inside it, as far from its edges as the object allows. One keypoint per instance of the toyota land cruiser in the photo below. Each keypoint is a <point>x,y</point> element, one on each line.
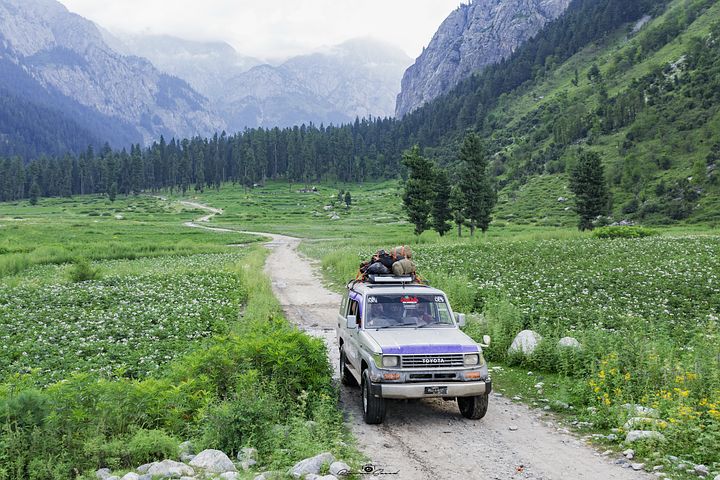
<point>400,339</point>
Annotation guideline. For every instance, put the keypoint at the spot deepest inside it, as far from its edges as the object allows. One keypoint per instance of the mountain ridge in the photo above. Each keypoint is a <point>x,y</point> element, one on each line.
<point>473,36</point>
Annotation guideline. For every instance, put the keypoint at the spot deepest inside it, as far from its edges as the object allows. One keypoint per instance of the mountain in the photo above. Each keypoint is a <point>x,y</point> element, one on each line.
<point>63,59</point>
<point>473,36</point>
<point>206,66</point>
<point>358,78</point>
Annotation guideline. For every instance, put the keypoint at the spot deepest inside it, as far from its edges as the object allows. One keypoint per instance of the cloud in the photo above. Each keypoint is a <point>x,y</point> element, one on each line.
<point>277,29</point>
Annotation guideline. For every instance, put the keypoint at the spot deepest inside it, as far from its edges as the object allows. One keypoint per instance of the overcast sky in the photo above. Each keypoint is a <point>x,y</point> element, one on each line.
<point>274,28</point>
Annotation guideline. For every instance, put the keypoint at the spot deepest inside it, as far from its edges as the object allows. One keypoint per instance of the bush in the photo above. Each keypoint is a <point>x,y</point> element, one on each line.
<point>82,271</point>
<point>623,232</point>
<point>147,446</point>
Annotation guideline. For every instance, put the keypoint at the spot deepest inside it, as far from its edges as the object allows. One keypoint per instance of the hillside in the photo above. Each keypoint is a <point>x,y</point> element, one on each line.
<point>473,36</point>
<point>64,65</point>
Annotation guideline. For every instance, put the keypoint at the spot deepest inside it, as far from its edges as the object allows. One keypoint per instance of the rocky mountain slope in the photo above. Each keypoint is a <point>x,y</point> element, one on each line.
<point>206,66</point>
<point>473,36</point>
<point>358,78</point>
<point>67,57</point>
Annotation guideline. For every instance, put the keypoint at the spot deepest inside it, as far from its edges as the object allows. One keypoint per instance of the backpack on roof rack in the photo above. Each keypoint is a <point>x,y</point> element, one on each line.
<point>397,264</point>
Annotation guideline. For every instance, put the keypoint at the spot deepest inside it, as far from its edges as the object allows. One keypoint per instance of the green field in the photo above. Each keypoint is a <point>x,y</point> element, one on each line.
<point>124,332</point>
<point>645,310</point>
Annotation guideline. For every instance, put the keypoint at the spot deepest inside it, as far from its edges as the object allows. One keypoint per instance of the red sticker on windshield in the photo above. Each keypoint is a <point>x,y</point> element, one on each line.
<point>409,300</point>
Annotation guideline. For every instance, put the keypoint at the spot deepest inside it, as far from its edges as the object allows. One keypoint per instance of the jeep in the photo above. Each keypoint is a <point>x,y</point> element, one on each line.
<point>399,339</point>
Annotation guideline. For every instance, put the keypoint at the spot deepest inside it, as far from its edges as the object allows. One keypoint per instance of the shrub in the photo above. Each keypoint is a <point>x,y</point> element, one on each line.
<point>82,271</point>
<point>151,445</point>
<point>623,232</point>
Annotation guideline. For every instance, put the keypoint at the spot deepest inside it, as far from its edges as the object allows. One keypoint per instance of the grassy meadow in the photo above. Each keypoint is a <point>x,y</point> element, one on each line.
<point>122,298</point>
<point>124,333</point>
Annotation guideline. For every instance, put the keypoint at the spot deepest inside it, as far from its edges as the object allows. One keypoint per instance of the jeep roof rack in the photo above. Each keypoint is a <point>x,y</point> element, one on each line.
<point>388,280</point>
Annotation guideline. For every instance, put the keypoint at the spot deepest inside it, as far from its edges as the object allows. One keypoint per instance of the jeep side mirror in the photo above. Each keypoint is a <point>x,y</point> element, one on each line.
<point>352,321</point>
<point>486,341</point>
<point>460,319</point>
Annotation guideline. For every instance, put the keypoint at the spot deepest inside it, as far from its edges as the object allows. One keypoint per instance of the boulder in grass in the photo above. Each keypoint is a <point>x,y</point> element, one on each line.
<point>213,461</point>
<point>569,342</point>
<point>636,435</point>
<point>311,465</point>
<point>131,476</point>
<point>170,469</point>
<point>525,342</point>
<point>339,469</point>
<point>103,473</point>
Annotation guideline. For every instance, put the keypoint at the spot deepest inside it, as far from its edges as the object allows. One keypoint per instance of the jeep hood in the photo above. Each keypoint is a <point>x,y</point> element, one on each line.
<point>407,341</point>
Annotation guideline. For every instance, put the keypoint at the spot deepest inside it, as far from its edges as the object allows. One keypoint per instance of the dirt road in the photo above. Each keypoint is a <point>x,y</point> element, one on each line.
<point>428,439</point>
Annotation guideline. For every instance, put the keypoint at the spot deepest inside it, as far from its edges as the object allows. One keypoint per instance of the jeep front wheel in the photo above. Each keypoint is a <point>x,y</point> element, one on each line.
<point>346,377</point>
<point>373,407</point>
<point>473,408</point>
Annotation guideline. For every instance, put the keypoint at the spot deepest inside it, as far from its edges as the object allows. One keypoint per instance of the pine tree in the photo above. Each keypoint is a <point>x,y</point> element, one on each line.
<point>112,191</point>
<point>441,212</point>
<point>475,183</point>
<point>457,205</point>
<point>587,182</point>
<point>34,193</point>
<point>418,194</point>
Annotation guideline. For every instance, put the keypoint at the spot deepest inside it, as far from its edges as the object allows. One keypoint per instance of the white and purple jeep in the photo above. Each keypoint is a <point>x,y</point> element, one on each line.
<point>401,340</point>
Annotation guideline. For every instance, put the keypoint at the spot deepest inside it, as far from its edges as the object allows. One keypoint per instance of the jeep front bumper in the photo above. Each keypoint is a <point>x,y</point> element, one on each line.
<point>431,390</point>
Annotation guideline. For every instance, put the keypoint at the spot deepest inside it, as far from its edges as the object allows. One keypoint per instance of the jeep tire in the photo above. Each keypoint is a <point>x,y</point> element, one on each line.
<point>473,408</point>
<point>346,378</point>
<point>373,407</point>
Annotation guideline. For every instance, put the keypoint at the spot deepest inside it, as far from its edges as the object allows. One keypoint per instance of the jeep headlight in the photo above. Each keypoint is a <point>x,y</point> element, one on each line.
<point>390,361</point>
<point>474,360</point>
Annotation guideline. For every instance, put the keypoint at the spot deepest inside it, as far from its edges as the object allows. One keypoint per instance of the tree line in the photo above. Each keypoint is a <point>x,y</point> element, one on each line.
<point>356,152</point>
<point>431,202</point>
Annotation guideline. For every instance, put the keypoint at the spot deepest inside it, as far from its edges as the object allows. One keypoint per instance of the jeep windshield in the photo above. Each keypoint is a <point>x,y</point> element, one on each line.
<point>402,311</point>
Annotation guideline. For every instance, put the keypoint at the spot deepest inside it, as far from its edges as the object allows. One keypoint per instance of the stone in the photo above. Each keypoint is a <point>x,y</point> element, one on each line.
<point>569,342</point>
<point>701,470</point>
<point>637,466</point>
<point>247,454</point>
<point>717,477</point>
<point>103,473</point>
<point>213,461</point>
<point>513,428</point>
<point>171,469</point>
<point>634,422</point>
<point>339,468</point>
<point>657,468</point>
<point>131,476</point>
<point>311,465</point>
<point>640,411</point>
<point>629,453</point>
<point>186,457</point>
<point>187,448</point>
<point>611,437</point>
<point>146,476</point>
<point>230,476</point>
<point>525,342</point>
<point>144,468</point>
<point>635,435</point>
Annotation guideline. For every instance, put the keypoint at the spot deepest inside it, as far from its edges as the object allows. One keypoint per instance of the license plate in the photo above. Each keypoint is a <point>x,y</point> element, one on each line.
<point>435,390</point>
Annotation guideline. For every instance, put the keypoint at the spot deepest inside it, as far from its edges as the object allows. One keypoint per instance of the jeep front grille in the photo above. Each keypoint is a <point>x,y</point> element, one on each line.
<point>431,361</point>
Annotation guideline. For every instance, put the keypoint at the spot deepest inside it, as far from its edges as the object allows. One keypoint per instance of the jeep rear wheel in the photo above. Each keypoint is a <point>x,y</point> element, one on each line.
<point>473,408</point>
<point>373,407</point>
<point>346,377</point>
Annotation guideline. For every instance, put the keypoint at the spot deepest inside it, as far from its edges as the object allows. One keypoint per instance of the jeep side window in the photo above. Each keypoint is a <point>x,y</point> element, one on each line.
<point>354,309</point>
<point>344,306</point>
